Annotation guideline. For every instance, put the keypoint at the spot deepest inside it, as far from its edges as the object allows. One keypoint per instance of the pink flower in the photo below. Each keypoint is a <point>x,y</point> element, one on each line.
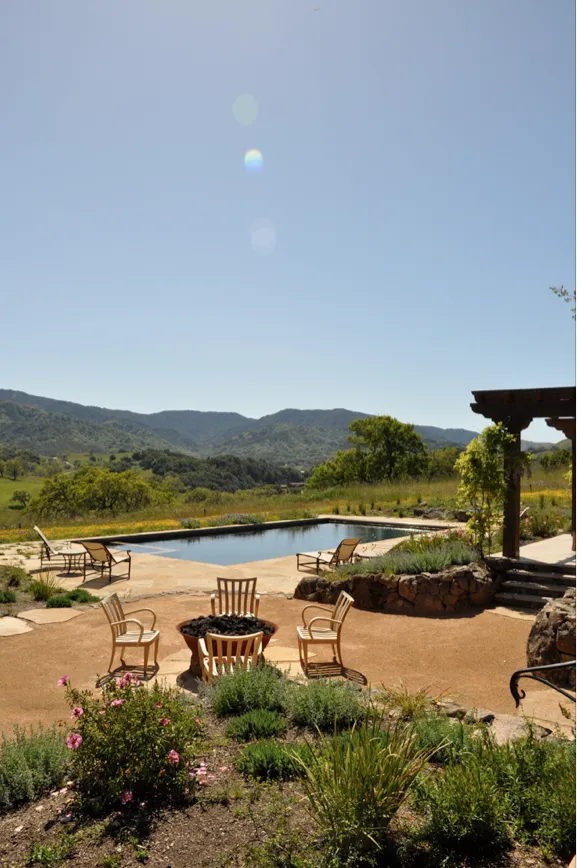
<point>164,721</point>
<point>62,681</point>
<point>211,777</point>
<point>223,769</point>
<point>102,712</point>
<point>74,741</point>
<point>158,705</point>
<point>201,771</point>
<point>116,702</point>
<point>127,678</point>
<point>77,712</point>
<point>126,797</point>
<point>173,757</point>
<point>197,721</point>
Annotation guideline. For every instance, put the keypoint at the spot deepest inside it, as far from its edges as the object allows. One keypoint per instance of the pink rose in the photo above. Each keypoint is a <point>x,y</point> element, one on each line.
<point>116,702</point>
<point>74,741</point>
<point>77,712</point>
<point>164,721</point>
<point>62,681</point>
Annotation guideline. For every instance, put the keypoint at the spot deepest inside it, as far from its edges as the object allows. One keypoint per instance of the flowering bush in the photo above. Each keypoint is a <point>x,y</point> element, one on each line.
<point>237,518</point>
<point>132,745</point>
<point>426,542</point>
<point>540,525</point>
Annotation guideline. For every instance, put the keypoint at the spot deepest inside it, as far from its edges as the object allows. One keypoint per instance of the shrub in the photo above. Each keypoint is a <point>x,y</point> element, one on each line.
<point>59,601</point>
<point>269,761</point>
<point>325,705</point>
<point>538,782</point>
<point>190,523</point>
<point>7,597</point>
<point>81,595</point>
<point>44,588</point>
<point>244,690</point>
<point>447,739</point>
<point>13,577</point>
<point>30,762</point>
<point>355,785</point>
<point>135,744</point>
<point>540,525</point>
<point>406,705</point>
<point>237,518</point>
<point>465,813</point>
<point>259,723</point>
<point>413,562</point>
<point>336,510</point>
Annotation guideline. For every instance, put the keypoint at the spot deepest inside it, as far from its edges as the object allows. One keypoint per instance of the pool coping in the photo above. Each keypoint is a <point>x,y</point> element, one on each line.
<point>187,533</point>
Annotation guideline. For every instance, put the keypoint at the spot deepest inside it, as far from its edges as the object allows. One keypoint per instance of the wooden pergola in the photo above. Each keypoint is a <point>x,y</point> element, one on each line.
<point>516,409</point>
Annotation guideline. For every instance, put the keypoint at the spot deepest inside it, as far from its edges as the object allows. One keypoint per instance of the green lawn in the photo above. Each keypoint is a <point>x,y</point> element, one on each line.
<point>33,484</point>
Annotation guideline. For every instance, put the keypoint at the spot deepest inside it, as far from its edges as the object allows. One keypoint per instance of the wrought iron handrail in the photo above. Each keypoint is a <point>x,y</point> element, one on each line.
<point>518,695</point>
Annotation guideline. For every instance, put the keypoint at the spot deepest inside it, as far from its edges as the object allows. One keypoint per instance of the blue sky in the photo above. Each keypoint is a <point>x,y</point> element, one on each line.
<point>417,197</point>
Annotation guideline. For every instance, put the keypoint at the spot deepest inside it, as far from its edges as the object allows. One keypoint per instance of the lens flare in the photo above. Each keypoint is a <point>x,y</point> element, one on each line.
<point>253,160</point>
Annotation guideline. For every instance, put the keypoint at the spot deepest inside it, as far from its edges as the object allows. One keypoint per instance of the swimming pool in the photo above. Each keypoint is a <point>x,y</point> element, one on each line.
<point>262,544</point>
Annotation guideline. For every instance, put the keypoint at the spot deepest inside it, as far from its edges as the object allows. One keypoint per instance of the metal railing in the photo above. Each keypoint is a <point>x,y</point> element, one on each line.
<point>528,672</point>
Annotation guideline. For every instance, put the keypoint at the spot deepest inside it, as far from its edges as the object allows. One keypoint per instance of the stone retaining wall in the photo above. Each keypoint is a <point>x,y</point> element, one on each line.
<point>452,590</point>
<point>552,638</point>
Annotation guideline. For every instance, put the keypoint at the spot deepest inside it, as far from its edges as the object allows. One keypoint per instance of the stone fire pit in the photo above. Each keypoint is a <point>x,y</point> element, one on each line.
<point>224,625</point>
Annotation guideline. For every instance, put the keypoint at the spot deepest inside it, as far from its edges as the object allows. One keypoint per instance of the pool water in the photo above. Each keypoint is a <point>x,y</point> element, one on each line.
<point>225,549</point>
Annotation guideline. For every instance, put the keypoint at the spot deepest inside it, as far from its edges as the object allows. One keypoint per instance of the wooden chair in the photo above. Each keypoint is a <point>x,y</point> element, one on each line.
<point>220,654</point>
<point>102,558</point>
<point>123,636</point>
<point>235,597</point>
<point>312,633</point>
<point>342,554</point>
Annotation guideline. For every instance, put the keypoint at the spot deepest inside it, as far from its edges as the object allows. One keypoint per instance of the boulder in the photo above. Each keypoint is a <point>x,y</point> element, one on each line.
<point>552,638</point>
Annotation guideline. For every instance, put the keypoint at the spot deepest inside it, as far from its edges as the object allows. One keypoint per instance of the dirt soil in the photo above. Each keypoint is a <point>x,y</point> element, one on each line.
<point>471,656</point>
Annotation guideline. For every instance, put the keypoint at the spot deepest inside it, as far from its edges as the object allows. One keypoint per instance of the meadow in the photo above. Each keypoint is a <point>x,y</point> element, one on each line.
<point>547,491</point>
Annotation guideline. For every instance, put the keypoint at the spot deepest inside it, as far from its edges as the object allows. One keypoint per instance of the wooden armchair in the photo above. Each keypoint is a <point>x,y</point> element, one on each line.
<point>126,636</point>
<point>324,629</point>
<point>220,654</point>
<point>235,597</point>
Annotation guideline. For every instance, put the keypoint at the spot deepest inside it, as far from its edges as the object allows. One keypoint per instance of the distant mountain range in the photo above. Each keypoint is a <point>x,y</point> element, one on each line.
<point>299,437</point>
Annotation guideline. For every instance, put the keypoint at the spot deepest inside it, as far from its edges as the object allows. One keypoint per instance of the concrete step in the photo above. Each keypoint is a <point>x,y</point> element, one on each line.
<point>568,581</point>
<point>521,601</point>
<point>544,589</point>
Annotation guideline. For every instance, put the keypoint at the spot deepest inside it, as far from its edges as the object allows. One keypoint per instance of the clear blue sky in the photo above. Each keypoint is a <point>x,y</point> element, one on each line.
<point>418,179</point>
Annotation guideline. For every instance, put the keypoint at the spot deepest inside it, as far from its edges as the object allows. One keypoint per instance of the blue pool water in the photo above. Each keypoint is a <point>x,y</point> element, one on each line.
<point>259,545</point>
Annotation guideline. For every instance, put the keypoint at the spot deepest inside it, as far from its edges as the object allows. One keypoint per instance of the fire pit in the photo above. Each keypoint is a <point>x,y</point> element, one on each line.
<point>225,625</point>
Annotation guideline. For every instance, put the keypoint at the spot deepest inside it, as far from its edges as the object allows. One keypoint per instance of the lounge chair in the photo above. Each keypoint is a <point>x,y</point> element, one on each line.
<point>102,558</point>
<point>125,637</point>
<point>235,597</point>
<point>220,654</point>
<point>343,554</point>
<point>312,633</point>
<point>71,555</point>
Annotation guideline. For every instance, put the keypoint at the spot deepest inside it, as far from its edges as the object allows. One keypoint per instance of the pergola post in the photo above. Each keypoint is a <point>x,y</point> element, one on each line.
<point>512,505</point>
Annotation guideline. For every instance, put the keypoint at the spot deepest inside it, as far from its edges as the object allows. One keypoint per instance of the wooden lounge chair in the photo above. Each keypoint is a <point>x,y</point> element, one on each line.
<point>129,632</point>
<point>70,554</point>
<point>235,597</point>
<point>102,558</point>
<point>324,629</point>
<point>220,654</point>
<point>343,554</point>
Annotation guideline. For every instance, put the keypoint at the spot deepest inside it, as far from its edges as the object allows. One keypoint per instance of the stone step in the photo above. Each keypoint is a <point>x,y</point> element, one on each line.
<point>539,567</point>
<point>568,581</point>
<point>521,601</point>
<point>544,589</point>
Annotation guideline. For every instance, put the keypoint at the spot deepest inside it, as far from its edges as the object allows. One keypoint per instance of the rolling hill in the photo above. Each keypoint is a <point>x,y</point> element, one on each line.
<point>299,437</point>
